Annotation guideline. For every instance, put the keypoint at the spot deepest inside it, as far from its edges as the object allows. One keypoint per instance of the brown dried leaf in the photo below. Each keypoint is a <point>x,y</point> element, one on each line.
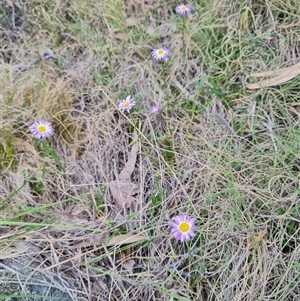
<point>130,164</point>
<point>120,36</point>
<point>128,265</point>
<point>132,21</point>
<point>123,189</point>
<point>280,76</point>
<point>125,239</point>
<point>93,240</point>
<point>270,73</point>
<point>244,19</point>
<point>257,239</point>
<point>123,192</point>
<point>271,82</point>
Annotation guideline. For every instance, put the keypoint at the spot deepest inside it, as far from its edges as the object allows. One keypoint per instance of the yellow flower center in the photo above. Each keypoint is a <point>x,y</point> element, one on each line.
<point>160,52</point>
<point>41,128</point>
<point>183,8</point>
<point>184,227</point>
<point>126,105</point>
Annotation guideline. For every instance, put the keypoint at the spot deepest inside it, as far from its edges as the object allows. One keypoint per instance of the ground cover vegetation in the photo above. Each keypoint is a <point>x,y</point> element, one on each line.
<point>135,163</point>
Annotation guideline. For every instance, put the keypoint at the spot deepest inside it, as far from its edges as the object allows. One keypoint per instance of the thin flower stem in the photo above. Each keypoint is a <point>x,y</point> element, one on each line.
<point>173,268</point>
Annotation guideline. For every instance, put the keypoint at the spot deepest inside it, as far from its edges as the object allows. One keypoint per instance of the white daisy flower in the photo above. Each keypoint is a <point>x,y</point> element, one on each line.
<point>41,129</point>
<point>160,54</point>
<point>183,9</point>
<point>183,227</point>
<point>127,104</point>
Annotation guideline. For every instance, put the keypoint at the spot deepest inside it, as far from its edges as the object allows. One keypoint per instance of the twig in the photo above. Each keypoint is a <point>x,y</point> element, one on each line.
<point>48,54</point>
<point>222,121</point>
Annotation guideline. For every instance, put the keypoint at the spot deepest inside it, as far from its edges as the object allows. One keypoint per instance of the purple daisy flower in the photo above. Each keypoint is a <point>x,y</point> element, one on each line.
<point>160,54</point>
<point>183,9</point>
<point>127,104</point>
<point>183,227</point>
<point>154,109</point>
<point>41,129</point>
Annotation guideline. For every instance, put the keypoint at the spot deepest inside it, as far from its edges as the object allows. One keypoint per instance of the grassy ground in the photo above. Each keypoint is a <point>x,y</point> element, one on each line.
<point>217,151</point>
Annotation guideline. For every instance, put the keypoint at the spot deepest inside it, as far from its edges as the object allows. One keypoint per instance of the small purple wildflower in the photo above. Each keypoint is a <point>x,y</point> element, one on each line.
<point>41,129</point>
<point>127,104</point>
<point>183,227</point>
<point>154,109</point>
<point>183,9</point>
<point>160,54</point>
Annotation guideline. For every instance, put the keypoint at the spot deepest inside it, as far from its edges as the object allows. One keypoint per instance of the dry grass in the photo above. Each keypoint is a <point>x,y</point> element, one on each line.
<point>216,151</point>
